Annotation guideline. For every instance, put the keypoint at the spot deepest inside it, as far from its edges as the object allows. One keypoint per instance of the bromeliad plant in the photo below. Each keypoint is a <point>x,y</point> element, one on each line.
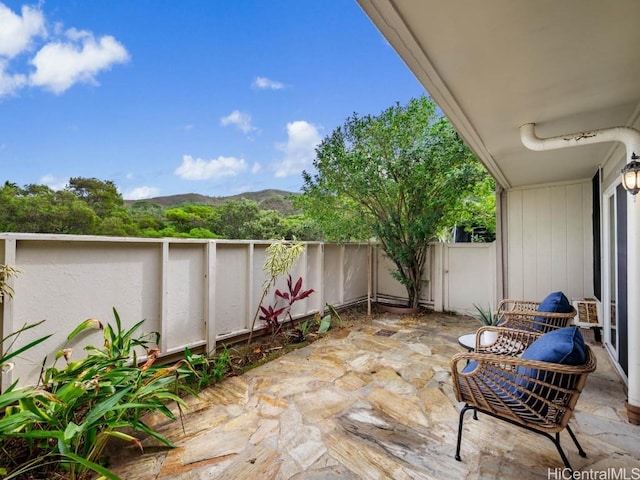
<point>68,419</point>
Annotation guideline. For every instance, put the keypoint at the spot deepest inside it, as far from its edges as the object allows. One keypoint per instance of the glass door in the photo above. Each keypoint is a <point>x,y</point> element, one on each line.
<point>615,275</point>
<point>610,293</point>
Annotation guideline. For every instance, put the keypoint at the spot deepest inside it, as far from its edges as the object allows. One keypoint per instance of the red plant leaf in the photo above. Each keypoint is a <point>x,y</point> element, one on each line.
<point>305,294</point>
<point>297,288</point>
<point>282,295</point>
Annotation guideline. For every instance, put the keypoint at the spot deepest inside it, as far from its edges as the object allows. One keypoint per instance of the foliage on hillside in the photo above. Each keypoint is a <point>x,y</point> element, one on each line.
<point>88,206</point>
<point>270,199</point>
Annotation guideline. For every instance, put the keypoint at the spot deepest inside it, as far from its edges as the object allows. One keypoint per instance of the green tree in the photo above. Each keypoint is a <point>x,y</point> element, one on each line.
<point>267,226</point>
<point>107,203</point>
<point>187,217</point>
<point>236,219</point>
<point>475,213</point>
<point>401,172</point>
<point>148,216</point>
<point>101,196</point>
<point>38,209</point>
<point>118,224</point>
<point>337,217</point>
<point>300,227</point>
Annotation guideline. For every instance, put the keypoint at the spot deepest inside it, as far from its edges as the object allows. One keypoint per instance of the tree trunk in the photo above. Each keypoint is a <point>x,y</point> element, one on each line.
<point>413,288</point>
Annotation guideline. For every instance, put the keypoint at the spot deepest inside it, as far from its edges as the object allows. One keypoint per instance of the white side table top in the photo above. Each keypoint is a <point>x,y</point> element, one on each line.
<point>468,341</point>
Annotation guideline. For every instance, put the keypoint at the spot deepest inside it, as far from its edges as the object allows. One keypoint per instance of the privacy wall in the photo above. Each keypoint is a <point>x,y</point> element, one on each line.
<point>199,292</point>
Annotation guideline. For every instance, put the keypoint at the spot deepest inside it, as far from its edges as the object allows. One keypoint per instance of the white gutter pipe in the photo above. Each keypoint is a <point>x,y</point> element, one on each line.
<point>631,139</point>
<point>627,135</point>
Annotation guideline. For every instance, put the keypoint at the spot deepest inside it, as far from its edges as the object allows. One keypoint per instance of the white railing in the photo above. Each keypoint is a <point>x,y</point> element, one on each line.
<point>198,292</point>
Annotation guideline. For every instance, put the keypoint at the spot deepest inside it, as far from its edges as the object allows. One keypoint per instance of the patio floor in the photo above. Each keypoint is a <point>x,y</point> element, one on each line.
<point>375,401</point>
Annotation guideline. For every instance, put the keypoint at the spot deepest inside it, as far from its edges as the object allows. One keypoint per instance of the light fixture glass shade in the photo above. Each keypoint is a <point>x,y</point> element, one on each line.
<point>631,177</point>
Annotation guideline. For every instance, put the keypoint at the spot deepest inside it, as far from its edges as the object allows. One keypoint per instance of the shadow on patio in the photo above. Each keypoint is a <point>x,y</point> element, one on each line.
<point>375,401</point>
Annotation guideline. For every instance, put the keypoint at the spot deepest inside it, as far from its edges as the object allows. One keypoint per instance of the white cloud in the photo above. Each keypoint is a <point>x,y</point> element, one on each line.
<point>53,182</point>
<point>139,193</point>
<point>264,83</point>
<point>299,150</point>
<point>256,168</point>
<point>72,56</point>
<point>199,169</point>
<point>78,59</point>
<point>241,120</point>
<point>10,84</point>
<point>17,32</point>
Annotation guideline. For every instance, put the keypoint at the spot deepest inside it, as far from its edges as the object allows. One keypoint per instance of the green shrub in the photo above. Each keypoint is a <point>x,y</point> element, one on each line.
<point>65,422</point>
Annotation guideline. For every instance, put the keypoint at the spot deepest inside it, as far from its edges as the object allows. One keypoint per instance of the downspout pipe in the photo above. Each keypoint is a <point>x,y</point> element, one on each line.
<point>630,137</point>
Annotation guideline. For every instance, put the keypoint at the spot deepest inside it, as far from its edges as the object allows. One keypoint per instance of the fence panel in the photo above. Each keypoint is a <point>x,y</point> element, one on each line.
<point>197,292</point>
<point>469,277</point>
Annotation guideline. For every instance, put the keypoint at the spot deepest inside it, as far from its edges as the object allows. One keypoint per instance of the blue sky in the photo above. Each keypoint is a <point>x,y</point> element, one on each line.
<point>167,97</point>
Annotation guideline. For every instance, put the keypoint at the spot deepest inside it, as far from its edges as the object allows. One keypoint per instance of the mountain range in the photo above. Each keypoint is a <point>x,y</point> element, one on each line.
<point>271,199</point>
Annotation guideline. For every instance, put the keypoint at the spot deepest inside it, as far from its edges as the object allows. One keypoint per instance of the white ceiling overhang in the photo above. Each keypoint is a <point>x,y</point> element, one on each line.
<point>567,66</point>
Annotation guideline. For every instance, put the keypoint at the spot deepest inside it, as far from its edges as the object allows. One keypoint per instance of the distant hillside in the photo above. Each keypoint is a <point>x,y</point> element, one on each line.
<point>271,199</point>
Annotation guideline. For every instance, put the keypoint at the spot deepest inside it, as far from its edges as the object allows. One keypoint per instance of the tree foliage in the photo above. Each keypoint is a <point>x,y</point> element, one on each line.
<point>400,175</point>
<point>38,209</point>
<point>88,206</point>
<point>102,196</point>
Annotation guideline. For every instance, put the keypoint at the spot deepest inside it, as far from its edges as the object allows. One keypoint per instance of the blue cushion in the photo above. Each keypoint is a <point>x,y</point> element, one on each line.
<point>555,302</point>
<point>563,345</point>
<point>470,367</point>
<point>495,381</point>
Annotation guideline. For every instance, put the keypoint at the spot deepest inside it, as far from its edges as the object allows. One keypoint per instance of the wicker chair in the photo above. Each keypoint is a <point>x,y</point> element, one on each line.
<point>538,396</point>
<point>504,341</point>
<point>524,315</point>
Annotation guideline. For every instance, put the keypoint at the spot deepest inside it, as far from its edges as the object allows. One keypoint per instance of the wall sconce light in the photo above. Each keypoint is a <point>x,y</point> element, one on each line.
<point>631,175</point>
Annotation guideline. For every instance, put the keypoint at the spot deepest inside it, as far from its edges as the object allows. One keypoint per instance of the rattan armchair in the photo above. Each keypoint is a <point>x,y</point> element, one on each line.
<point>504,341</point>
<point>538,396</point>
<point>524,315</point>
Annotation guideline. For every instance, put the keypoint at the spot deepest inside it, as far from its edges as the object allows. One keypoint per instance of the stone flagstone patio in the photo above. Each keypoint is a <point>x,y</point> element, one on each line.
<point>374,401</point>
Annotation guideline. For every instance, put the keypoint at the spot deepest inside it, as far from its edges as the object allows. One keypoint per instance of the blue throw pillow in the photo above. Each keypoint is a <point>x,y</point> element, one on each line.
<point>563,345</point>
<point>555,302</point>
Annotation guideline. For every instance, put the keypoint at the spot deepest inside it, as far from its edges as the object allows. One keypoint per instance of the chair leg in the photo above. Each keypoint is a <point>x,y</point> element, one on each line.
<point>556,442</point>
<point>555,439</point>
<point>575,440</point>
<point>462,412</point>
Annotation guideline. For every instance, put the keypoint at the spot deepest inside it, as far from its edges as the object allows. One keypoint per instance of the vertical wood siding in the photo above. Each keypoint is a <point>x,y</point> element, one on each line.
<point>550,241</point>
